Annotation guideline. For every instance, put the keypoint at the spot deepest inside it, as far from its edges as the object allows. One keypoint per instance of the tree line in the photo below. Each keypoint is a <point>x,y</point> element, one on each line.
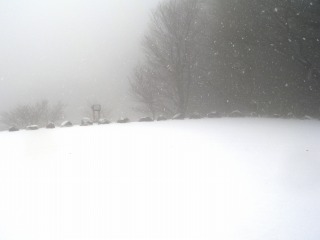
<point>259,57</point>
<point>254,56</point>
<point>39,113</point>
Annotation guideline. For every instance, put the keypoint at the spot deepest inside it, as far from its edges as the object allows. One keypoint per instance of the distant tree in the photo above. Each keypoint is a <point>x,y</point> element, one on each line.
<point>144,89</point>
<point>266,53</point>
<point>171,49</point>
<point>56,112</point>
<point>38,114</point>
<point>248,55</point>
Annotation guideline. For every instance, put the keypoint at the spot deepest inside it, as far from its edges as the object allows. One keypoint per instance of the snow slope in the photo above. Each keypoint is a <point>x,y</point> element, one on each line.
<point>195,179</point>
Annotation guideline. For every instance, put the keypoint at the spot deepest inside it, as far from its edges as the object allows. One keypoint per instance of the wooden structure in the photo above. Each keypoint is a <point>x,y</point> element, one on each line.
<point>96,112</point>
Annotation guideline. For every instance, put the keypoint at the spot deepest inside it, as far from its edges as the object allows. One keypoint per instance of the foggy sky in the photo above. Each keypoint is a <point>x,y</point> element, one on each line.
<point>75,51</point>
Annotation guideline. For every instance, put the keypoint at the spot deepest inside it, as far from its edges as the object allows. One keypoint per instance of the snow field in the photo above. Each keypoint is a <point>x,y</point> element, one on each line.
<point>192,179</point>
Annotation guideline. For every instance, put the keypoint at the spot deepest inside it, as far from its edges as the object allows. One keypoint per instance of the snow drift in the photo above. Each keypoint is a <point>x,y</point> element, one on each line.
<point>195,179</point>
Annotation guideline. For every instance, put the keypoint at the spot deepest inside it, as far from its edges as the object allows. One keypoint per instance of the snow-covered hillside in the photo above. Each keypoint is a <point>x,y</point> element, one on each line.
<point>195,179</point>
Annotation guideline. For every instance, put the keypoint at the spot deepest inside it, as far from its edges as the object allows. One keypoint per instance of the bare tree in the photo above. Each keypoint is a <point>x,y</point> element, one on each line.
<point>56,112</point>
<point>171,50</point>
<point>144,89</point>
<point>40,114</point>
<point>250,55</point>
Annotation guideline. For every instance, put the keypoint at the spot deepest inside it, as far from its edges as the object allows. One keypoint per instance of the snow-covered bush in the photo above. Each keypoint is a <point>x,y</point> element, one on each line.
<point>103,121</point>
<point>307,117</point>
<point>178,116</point>
<point>146,119</point>
<point>236,113</point>
<point>195,115</point>
<point>123,120</point>
<point>86,122</point>
<point>50,125</point>
<point>66,124</point>
<point>290,115</point>
<point>32,127</point>
<point>254,114</point>
<point>13,129</point>
<point>161,118</point>
<point>214,115</point>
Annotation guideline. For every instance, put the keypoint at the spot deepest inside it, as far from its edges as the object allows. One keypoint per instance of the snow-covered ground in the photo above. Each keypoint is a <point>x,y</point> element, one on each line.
<point>196,179</point>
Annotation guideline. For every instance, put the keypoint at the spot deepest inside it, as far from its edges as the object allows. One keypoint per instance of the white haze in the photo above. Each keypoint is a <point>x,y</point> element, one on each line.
<point>76,51</point>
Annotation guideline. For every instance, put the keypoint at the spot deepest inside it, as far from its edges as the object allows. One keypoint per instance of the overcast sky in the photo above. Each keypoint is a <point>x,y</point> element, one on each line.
<point>76,51</point>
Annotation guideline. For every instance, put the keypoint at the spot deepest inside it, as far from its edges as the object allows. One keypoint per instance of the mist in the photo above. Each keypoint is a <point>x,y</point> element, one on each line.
<point>76,52</point>
<point>209,126</point>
